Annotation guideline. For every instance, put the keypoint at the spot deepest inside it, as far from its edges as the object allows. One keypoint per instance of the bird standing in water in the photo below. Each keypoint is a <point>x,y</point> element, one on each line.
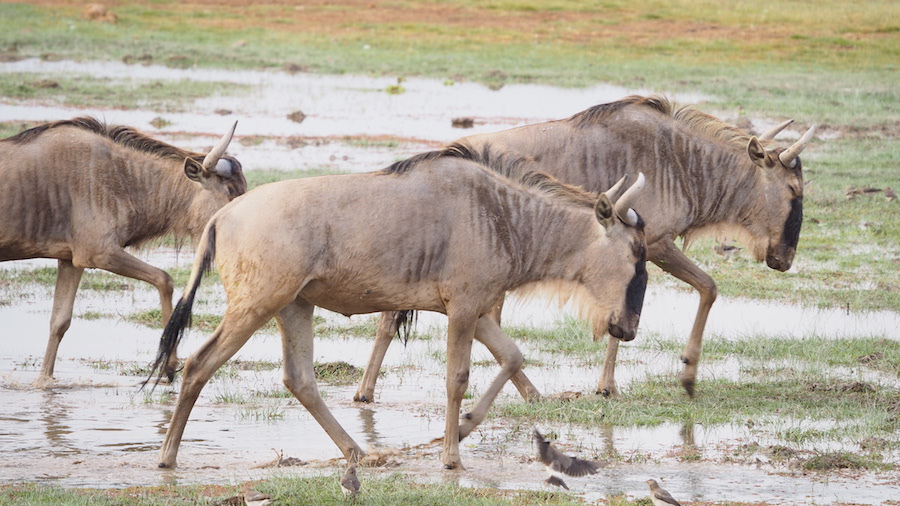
<point>659,496</point>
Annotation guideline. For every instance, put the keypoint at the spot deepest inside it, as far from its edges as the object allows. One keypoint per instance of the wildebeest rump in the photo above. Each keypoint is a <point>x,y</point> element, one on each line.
<point>437,232</point>
<point>81,191</point>
<point>704,177</point>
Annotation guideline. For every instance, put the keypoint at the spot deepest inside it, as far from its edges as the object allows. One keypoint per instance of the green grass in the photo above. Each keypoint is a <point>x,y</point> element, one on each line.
<point>377,489</point>
<point>259,177</point>
<point>91,91</point>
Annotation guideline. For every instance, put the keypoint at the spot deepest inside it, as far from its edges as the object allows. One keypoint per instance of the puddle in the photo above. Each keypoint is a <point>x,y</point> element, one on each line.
<point>98,430</point>
<point>336,108</point>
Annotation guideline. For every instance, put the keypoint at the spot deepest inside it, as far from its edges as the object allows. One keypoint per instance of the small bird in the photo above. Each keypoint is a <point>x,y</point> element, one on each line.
<point>659,496</point>
<point>349,482</point>
<point>254,498</point>
<point>558,463</point>
<point>555,475</point>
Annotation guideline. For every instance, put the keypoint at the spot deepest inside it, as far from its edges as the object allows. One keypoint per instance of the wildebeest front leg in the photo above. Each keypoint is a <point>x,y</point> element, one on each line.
<point>121,263</point>
<point>388,325</point>
<point>673,261</point>
<point>67,278</point>
<point>507,353</point>
<point>524,385</point>
<point>607,386</point>
<point>296,326</point>
<point>234,331</point>
<point>460,333</point>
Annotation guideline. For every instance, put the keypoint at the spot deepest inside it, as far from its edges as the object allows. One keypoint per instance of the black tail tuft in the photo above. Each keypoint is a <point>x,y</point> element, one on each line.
<point>181,316</point>
<point>406,322</point>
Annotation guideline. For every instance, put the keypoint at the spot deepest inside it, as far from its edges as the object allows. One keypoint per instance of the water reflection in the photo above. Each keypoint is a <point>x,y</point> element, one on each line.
<point>367,417</point>
<point>54,415</point>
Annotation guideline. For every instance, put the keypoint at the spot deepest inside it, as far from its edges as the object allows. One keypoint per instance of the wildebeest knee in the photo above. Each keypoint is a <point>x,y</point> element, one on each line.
<point>514,361</point>
<point>301,386</point>
<point>458,379</point>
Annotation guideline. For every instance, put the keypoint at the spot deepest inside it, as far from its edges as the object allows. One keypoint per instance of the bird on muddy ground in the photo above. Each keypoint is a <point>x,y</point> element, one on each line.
<point>349,482</point>
<point>251,498</point>
<point>659,496</point>
<point>558,464</point>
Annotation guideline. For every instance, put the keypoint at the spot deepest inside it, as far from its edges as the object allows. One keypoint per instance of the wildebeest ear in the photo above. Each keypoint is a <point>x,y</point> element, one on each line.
<point>192,169</point>
<point>604,211</point>
<point>757,152</point>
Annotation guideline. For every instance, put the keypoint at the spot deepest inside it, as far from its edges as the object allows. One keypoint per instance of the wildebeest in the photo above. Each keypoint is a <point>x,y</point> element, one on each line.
<point>81,191</point>
<point>704,178</point>
<point>436,232</point>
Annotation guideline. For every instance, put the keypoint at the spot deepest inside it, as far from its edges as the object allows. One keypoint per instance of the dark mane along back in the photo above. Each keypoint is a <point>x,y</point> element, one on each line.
<point>124,136</point>
<point>600,113</point>
<point>513,168</point>
<point>699,122</point>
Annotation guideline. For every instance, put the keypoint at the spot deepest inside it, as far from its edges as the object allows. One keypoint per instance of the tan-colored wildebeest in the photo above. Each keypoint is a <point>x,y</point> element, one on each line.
<point>437,232</point>
<point>704,177</point>
<point>81,191</point>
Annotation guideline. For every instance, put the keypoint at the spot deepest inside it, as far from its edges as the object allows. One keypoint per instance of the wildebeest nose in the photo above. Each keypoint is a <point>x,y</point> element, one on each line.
<point>777,263</point>
<point>620,333</point>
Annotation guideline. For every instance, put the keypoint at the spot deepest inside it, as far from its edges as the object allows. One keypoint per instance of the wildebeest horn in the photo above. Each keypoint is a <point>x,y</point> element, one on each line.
<point>623,205</point>
<point>772,132</point>
<point>788,156</point>
<point>616,189</point>
<point>209,163</point>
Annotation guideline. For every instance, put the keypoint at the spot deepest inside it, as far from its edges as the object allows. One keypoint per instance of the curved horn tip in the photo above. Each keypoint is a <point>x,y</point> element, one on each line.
<point>212,158</point>
<point>640,181</point>
<point>775,130</point>
<point>615,190</point>
<point>788,156</point>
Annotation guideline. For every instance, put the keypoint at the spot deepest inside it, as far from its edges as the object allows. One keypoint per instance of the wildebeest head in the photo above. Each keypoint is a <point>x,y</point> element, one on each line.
<point>628,274</point>
<point>216,168</point>
<point>781,211</point>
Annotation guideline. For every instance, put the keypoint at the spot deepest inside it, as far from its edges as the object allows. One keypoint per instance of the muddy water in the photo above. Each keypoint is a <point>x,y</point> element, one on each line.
<point>96,428</point>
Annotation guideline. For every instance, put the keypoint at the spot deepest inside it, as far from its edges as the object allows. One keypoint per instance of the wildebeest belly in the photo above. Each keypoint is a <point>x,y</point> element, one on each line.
<point>370,298</point>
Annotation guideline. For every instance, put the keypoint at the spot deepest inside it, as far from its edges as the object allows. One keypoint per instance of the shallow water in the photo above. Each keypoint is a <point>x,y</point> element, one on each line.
<point>97,429</point>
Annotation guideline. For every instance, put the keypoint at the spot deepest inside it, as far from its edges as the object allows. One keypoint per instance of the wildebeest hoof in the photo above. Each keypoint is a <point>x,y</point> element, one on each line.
<point>688,387</point>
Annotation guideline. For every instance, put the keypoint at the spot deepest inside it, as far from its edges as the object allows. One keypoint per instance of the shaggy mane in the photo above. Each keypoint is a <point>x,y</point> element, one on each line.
<point>513,169</point>
<point>122,135</point>
<point>697,121</point>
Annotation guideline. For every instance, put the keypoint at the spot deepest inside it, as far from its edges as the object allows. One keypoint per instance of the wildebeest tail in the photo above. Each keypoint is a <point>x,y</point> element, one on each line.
<point>406,321</point>
<point>181,316</point>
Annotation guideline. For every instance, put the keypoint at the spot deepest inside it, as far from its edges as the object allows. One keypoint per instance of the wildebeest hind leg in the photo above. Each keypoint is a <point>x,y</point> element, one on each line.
<point>123,264</point>
<point>296,326</point>
<point>388,324</point>
<point>507,353</point>
<point>234,331</point>
<point>67,278</point>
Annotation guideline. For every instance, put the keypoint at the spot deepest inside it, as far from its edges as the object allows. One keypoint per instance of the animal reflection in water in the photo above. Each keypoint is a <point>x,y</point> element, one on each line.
<point>447,231</point>
<point>81,191</point>
<point>704,177</point>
